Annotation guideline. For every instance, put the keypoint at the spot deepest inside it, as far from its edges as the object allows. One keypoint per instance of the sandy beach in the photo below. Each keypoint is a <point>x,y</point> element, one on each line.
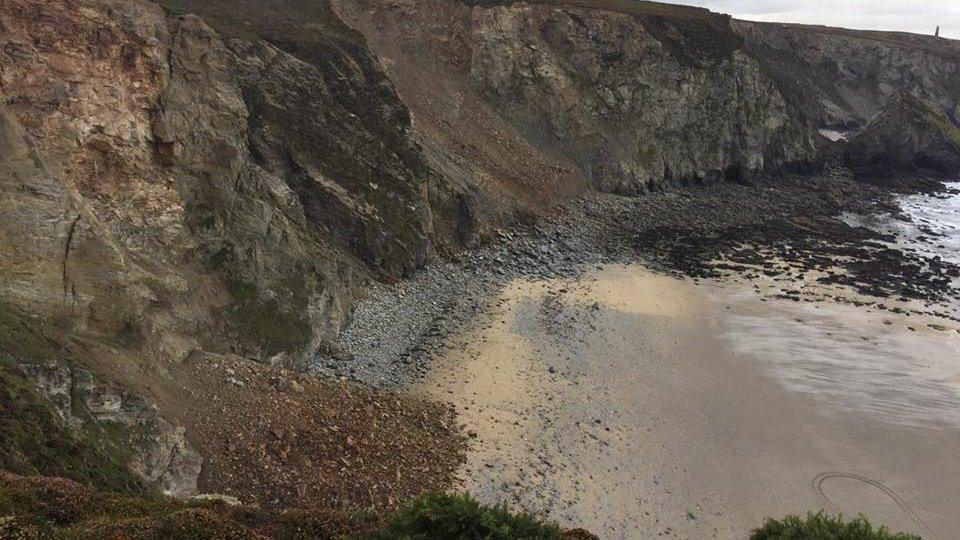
<point>641,405</point>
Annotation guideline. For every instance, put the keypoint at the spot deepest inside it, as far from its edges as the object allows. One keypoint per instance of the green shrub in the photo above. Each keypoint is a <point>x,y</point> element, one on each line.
<point>820,526</point>
<point>460,517</point>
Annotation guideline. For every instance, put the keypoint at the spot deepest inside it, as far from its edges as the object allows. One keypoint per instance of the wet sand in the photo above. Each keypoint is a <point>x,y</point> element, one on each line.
<point>638,405</point>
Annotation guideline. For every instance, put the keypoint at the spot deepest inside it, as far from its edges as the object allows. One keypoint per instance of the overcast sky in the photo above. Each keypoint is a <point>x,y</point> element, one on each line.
<point>920,16</point>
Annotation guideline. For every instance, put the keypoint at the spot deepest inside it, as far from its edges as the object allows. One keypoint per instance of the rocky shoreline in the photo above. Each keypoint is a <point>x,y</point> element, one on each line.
<point>781,227</point>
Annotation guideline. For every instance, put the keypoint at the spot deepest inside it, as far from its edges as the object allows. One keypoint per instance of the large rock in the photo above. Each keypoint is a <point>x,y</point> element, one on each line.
<point>906,135</point>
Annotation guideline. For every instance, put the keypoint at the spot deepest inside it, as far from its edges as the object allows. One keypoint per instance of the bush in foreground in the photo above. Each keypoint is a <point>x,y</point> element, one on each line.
<point>460,516</point>
<point>820,526</point>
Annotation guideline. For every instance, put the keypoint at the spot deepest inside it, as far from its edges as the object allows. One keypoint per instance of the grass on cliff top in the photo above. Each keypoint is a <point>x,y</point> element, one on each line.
<point>34,439</point>
<point>820,526</point>
<point>940,46</point>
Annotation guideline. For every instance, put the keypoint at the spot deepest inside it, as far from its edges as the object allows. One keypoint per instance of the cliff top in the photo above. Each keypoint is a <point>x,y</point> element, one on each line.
<point>638,7</point>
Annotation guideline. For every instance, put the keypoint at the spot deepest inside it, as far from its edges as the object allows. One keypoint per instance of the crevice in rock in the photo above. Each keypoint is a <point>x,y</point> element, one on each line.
<point>66,255</point>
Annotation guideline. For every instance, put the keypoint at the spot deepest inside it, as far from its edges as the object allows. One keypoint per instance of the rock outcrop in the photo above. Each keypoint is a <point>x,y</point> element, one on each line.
<point>840,78</point>
<point>178,189</point>
<point>631,97</point>
<point>905,135</point>
<point>159,451</point>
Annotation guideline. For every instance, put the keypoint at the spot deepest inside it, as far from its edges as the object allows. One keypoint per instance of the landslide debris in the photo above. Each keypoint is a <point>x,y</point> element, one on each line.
<point>283,439</point>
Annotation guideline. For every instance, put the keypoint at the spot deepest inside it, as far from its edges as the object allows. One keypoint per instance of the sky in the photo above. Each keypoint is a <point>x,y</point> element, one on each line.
<point>919,16</point>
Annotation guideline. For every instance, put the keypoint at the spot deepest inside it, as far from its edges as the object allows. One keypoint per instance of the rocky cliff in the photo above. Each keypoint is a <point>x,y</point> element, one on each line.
<point>170,188</point>
<point>225,176</point>
<point>171,185</point>
<point>839,78</point>
<point>628,94</point>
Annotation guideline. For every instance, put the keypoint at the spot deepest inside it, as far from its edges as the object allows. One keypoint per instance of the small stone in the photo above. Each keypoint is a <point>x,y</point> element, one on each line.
<point>217,497</point>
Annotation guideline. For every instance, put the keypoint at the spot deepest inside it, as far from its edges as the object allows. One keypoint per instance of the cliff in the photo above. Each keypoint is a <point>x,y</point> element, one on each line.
<point>186,181</point>
<point>839,78</point>
<point>619,96</point>
<point>169,189</point>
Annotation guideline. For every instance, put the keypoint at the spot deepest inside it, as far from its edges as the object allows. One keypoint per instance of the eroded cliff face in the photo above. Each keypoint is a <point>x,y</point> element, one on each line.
<point>171,186</point>
<point>631,97</point>
<point>168,188</point>
<point>840,78</point>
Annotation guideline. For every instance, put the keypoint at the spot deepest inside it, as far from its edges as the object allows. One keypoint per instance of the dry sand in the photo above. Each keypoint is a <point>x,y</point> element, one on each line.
<point>639,405</point>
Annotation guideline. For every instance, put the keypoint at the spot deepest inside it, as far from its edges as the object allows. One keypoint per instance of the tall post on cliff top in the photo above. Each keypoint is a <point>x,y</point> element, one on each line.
<point>937,33</point>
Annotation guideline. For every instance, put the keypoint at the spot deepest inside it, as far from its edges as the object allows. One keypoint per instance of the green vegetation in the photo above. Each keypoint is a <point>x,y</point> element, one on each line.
<point>59,508</point>
<point>460,516</point>
<point>62,508</point>
<point>266,322</point>
<point>23,339</point>
<point>820,526</point>
<point>34,439</point>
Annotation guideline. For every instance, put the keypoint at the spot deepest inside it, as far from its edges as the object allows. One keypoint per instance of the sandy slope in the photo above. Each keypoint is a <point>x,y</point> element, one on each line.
<point>638,405</point>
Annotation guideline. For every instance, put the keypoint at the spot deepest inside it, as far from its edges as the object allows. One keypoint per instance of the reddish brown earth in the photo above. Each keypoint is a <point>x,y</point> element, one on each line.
<point>275,437</point>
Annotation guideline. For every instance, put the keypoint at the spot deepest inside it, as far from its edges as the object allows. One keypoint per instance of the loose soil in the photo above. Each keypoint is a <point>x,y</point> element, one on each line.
<point>281,439</point>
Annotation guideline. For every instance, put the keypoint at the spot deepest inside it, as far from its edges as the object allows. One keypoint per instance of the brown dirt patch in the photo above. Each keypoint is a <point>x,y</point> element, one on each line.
<point>274,437</point>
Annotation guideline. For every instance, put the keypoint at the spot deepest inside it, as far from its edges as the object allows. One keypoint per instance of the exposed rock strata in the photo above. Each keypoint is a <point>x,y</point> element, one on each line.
<point>632,98</point>
<point>159,451</point>
<point>169,190</point>
<point>839,78</point>
<point>175,188</point>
